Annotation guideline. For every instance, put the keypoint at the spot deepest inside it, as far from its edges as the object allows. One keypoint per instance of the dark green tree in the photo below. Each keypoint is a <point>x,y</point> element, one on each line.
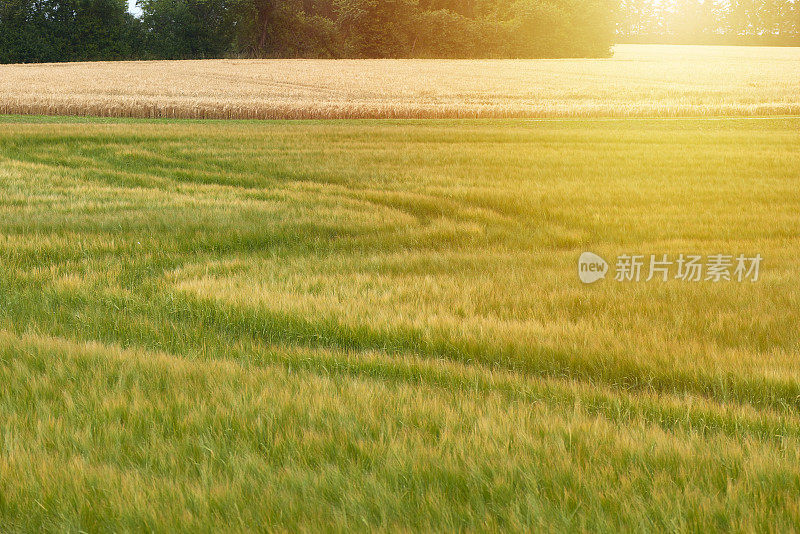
<point>67,30</point>
<point>187,29</point>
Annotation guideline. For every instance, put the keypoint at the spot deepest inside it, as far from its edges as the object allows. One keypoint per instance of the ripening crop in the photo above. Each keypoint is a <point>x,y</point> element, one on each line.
<point>637,81</point>
<point>379,326</point>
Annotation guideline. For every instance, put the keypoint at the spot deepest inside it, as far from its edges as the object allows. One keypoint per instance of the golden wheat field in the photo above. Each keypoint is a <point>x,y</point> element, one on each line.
<point>640,80</point>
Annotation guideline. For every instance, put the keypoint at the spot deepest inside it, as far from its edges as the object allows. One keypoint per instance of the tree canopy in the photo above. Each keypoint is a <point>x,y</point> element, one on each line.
<point>768,22</point>
<point>78,30</point>
<point>67,30</point>
<point>71,30</point>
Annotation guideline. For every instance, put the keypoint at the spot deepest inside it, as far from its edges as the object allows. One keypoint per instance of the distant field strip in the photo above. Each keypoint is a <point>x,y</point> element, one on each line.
<point>639,81</point>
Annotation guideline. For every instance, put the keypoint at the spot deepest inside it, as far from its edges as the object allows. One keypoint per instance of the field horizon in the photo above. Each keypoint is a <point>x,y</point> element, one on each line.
<point>639,81</point>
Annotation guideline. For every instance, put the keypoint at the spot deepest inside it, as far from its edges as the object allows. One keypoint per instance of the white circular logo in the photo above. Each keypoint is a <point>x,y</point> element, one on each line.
<point>591,268</point>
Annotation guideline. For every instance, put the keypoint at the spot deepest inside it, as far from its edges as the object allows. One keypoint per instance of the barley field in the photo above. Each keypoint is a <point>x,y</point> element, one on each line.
<point>378,325</point>
<point>639,81</point>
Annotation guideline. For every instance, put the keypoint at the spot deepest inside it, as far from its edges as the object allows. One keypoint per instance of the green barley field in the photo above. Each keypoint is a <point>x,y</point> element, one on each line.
<point>379,325</point>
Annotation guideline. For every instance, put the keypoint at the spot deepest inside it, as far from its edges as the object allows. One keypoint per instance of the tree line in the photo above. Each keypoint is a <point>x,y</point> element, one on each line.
<point>767,22</point>
<point>80,30</point>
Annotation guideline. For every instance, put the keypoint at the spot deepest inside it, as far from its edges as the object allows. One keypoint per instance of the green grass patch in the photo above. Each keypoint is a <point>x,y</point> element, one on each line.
<point>379,325</point>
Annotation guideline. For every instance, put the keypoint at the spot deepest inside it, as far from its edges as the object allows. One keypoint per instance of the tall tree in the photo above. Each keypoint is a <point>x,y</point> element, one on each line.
<point>67,30</point>
<point>181,29</point>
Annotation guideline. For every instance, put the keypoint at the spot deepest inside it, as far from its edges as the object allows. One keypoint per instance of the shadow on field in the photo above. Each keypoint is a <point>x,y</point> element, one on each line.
<point>181,323</point>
